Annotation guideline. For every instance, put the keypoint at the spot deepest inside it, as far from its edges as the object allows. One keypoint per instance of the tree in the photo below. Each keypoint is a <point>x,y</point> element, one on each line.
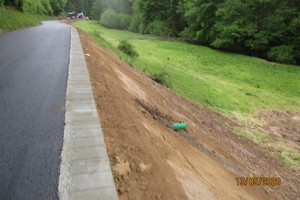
<point>70,7</point>
<point>88,4</point>
<point>78,5</point>
<point>234,25</point>
<point>14,3</point>
<point>125,6</point>
<point>97,10</point>
<point>40,7</point>
<point>58,6</point>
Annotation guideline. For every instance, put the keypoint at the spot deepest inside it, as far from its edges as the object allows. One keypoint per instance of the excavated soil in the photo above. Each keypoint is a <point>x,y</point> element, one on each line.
<point>150,160</point>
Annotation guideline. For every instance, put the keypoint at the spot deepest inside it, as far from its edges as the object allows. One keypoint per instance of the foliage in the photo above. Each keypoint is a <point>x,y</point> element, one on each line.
<point>111,19</point>
<point>58,6</point>
<point>154,13</point>
<point>157,27</point>
<point>11,19</point>
<point>163,77</point>
<point>87,7</point>
<point>125,21</point>
<point>13,3</point>
<point>127,48</point>
<point>230,83</point>
<point>70,7</point>
<point>135,23</point>
<point>97,10</point>
<point>261,28</point>
<point>39,7</point>
<point>282,54</point>
<point>79,5</point>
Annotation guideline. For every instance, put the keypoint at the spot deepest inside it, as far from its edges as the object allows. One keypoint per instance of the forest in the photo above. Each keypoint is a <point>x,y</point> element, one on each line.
<point>269,29</point>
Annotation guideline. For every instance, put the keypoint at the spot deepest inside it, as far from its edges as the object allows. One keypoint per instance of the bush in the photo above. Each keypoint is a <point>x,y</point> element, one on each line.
<point>163,77</point>
<point>97,33</point>
<point>142,28</point>
<point>127,48</point>
<point>283,54</point>
<point>111,19</point>
<point>157,27</point>
<point>125,21</point>
<point>187,34</point>
<point>134,24</point>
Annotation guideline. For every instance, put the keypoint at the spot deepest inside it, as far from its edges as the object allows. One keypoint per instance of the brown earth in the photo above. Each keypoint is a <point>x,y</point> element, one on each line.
<point>281,125</point>
<point>152,161</point>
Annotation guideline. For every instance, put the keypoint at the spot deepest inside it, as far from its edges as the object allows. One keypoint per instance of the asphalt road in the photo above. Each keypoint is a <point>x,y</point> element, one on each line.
<point>33,80</point>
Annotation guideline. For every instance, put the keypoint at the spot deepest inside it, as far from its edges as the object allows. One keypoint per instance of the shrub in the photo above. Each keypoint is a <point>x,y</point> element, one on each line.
<point>283,54</point>
<point>142,28</point>
<point>134,24</point>
<point>127,48</point>
<point>96,33</point>
<point>125,21</point>
<point>187,34</point>
<point>163,77</point>
<point>157,27</point>
<point>111,19</point>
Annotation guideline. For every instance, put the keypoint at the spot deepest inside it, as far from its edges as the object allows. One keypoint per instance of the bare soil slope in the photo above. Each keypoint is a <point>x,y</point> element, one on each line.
<point>151,161</point>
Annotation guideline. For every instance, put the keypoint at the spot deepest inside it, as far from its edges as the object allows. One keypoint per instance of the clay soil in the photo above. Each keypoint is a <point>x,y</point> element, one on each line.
<point>150,160</point>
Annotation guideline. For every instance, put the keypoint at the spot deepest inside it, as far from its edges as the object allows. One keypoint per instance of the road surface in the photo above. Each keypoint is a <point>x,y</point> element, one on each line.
<point>33,79</point>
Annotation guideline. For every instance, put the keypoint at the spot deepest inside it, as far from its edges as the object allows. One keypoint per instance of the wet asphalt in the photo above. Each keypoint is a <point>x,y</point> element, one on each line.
<point>33,79</point>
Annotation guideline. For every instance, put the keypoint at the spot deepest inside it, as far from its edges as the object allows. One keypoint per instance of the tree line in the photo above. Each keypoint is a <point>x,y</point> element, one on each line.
<point>39,7</point>
<point>269,29</point>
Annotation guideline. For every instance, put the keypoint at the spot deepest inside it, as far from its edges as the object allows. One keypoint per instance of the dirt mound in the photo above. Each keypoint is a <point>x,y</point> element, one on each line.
<point>152,161</point>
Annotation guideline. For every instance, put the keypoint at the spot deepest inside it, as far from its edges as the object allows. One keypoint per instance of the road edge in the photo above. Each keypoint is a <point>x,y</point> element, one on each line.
<point>85,170</point>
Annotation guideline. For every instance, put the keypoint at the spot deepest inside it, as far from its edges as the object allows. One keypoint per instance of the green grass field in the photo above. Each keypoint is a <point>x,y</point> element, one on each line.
<point>232,84</point>
<point>11,19</point>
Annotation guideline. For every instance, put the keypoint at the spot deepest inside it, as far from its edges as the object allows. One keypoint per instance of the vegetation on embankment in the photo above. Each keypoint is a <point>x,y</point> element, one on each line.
<point>11,19</point>
<point>232,84</point>
<point>265,29</point>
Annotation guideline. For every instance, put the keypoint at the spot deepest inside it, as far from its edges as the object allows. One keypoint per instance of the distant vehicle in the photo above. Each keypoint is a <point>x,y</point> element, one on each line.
<point>72,15</point>
<point>80,15</point>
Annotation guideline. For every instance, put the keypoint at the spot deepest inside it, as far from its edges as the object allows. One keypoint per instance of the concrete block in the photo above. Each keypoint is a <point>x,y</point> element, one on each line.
<point>88,153</point>
<point>80,107</point>
<point>81,118</point>
<point>90,166</point>
<point>96,194</point>
<point>79,82</point>
<point>80,89</point>
<point>79,97</point>
<point>85,142</point>
<point>85,171</point>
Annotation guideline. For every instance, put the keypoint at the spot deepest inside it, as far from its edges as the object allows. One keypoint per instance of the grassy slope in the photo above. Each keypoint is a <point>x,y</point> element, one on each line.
<point>232,84</point>
<point>11,19</point>
<point>235,85</point>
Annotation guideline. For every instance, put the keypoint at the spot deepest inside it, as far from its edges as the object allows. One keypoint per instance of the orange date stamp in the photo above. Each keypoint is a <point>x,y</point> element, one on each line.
<point>255,181</point>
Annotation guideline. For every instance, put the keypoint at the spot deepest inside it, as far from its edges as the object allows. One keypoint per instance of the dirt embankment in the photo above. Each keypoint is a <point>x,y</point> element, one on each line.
<point>151,161</point>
